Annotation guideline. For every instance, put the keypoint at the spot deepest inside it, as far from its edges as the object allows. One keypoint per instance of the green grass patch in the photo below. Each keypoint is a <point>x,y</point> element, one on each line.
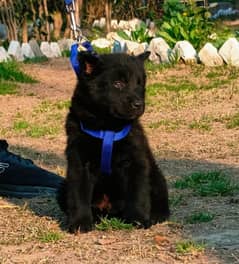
<point>20,125</point>
<point>63,104</point>
<point>98,50</point>
<point>170,125</point>
<point>175,200</point>
<point>212,183</point>
<point>37,131</point>
<point>113,224</point>
<point>8,88</point>
<point>36,60</point>
<point>233,121</point>
<point>66,53</point>
<point>203,124</point>
<point>199,217</point>
<point>49,237</point>
<point>189,246</point>
<point>10,71</point>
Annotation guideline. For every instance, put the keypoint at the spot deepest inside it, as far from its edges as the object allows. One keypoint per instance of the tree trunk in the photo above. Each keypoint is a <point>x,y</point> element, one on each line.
<point>24,30</point>
<point>67,32</point>
<point>47,22</point>
<point>57,18</point>
<point>108,11</point>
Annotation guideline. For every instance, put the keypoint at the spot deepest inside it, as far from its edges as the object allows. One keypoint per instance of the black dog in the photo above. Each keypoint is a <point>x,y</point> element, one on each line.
<point>109,97</point>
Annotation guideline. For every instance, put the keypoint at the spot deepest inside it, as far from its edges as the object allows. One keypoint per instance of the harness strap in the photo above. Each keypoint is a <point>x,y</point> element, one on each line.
<point>108,137</point>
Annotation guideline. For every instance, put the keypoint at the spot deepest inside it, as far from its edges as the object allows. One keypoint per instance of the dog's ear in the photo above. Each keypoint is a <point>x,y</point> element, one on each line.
<point>88,62</point>
<point>144,56</point>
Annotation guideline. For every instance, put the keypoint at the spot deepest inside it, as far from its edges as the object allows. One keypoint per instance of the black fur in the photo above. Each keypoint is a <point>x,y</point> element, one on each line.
<point>110,94</point>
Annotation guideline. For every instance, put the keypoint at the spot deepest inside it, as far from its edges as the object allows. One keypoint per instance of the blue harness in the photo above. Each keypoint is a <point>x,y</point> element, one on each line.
<point>108,137</point>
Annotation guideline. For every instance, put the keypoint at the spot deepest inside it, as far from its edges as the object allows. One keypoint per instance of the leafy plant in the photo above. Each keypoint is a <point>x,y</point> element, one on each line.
<point>191,24</point>
<point>140,34</point>
<point>188,246</point>
<point>48,237</point>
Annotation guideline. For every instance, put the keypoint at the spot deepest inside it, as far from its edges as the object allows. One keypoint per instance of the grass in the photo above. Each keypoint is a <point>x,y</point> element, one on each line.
<point>170,125</point>
<point>189,246</point>
<point>10,71</point>
<point>113,224</point>
<point>212,183</point>
<point>199,217</point>
<point>36,60</point>
<point>203,124</point>
<point>176,200</point>
<point>46,119</point>
<point>7,87</point>
<point>233,121</point>
<point>49,237</point>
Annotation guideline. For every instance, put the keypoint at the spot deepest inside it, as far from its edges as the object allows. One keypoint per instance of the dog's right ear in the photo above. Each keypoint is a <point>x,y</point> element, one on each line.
<point>88,62</point>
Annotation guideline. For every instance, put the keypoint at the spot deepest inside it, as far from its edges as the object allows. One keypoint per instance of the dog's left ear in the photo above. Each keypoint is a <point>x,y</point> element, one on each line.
<point>88,62</point>
<point>144,56</point>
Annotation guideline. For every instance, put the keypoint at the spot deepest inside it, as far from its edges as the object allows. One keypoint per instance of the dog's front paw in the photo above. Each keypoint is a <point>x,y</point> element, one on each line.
<point>137,219</point>
<point>82,224</point>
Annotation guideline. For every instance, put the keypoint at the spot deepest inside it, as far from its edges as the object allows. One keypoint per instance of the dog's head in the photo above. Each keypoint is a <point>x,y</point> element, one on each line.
<point>112,85</point>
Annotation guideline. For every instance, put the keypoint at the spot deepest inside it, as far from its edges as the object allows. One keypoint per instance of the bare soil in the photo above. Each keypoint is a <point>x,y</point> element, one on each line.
<point>179,151</point>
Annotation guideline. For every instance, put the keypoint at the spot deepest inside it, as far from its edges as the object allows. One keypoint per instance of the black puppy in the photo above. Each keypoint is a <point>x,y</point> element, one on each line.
<point>118,177</point>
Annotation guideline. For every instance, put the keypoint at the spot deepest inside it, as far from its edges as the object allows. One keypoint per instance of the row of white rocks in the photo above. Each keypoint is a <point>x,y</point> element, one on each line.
<point>160,50</point>
<point>30,50</point>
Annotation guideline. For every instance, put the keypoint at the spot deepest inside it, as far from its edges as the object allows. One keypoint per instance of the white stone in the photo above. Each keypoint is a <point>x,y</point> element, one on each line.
<point>3,55</point>
<point>209,56</point>
<point>160,50</point>
<point>134,23</point>
<point>55,49</point>
<point>102,23</point>
<point>114,24</point>
<point>46,49</point>
<point>135,48</point>
<point>27,51</point>
<point>65,44</point>
<point>35,48</point>
<point>186,51</point>
<point>96,23</point>
<point>101,43</point>
<point>123,24</point>
<point>230,52</point>
<point>15,50</point>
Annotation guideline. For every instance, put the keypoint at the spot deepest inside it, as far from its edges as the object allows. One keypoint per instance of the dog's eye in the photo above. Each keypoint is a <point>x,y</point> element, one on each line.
<point>119,84</point>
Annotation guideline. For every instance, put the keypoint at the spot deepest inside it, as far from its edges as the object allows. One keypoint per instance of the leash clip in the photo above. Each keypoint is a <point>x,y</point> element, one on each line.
<point>70,9</point>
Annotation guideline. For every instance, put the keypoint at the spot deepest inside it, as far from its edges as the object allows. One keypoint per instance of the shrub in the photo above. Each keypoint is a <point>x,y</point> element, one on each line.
<point>192,24</point>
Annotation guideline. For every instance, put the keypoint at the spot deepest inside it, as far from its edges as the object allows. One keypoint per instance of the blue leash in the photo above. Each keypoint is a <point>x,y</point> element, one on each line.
<point>108,138</point>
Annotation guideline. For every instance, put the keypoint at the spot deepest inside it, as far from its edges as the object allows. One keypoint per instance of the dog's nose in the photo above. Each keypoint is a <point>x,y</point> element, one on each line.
<point>136,104</point>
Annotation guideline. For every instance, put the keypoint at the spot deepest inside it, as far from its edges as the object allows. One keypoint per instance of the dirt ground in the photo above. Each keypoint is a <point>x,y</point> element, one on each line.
<point>179,151</point>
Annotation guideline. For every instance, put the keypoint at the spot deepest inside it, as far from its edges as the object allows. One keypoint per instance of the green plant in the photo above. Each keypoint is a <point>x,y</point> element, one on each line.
<point>188,246</point>
<point>7,88</point>
<point>36,60</point>
<point>10,71</point>
<point>140,34</point>
<point>102,50</point>
<point>112,224</point>
<point>233,121</point>
<point>199,217</point>
<point>191,24</point>
<point>212,183</point>
<point>203,124</point>
<point>48,237</point>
